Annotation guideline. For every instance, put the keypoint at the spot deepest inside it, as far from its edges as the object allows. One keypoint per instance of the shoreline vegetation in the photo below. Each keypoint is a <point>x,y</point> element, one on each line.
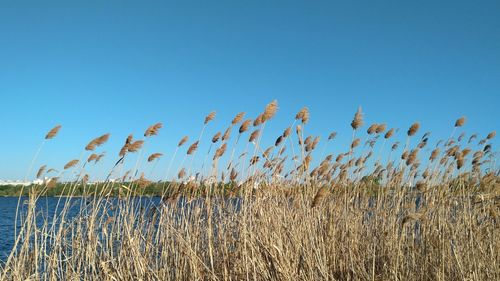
<point>393,205</point>
<point>81,190</point>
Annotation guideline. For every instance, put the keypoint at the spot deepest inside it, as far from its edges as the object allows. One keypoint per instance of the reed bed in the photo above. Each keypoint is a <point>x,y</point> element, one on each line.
<point>273,213</point>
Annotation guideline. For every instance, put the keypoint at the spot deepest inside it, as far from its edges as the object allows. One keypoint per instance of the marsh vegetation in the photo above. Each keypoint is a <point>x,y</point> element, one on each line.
<point>273,213</point>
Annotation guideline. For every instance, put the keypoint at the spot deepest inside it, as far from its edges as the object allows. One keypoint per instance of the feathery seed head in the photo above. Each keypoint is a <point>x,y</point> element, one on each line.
<point>192,148</point>
<point>237,119</point>
<point>216,137</point>
<point>41,171</point>
<point>97,142</point>
<point>355,143</point>
<point>254,135</point>
<point>332,135</point>
<point>372,129</point>
<point>71,164</point>
<point>183,141</point>
<point>53,132</point>
<point>303,115</point>
<point>357,122</point>
<point>154,156</point>
<point>153,130</point>
<point>135,146</point>
<point>491,135</point>
<point>244,126</point>
<point>460,122</point>
<point>227,134</point>
<point>380,128</point>
<point>258,120</point>
<point>209,117</point>
<point>270,110</point>
<point>413,129</point>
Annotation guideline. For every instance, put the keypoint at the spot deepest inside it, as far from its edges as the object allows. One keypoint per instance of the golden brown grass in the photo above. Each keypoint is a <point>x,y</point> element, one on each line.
<point>429,213</point>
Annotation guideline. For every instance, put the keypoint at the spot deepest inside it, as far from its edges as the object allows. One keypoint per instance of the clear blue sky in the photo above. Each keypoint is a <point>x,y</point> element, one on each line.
<point>119,66</point>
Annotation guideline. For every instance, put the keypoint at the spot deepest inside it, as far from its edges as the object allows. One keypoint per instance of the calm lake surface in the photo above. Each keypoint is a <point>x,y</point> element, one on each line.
<point>46,206</point>
<point>7,216</point>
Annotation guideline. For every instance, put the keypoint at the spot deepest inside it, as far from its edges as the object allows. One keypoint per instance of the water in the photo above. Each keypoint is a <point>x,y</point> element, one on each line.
<point>7,216</point>
<point>46,209</point>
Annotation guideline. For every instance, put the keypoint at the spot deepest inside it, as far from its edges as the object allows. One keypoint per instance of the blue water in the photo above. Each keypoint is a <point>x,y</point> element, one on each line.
<point>7,215</point>
<point>46,209</point>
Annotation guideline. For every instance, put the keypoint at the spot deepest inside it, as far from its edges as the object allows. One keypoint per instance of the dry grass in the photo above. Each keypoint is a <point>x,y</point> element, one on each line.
<point>279,217</point>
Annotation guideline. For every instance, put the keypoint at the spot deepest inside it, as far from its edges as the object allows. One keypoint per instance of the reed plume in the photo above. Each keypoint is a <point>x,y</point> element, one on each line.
<point>434,154</point>
<point>355,143</point>
<point>303,115</point>
<point>389,133</point>
<point>227,134</point>
<point>92,157</point>
<point>233,175</point>
<point>129,139</point>
<point>238,118</point>
<point>491,135</point>
<point>123,151</point>
<point>254,160</point>
<point>52,182</point>
<point>93,144</point>
<point>332,135</point>
<point>372,129</point>
<point>153,130</point>
<point>71,164</point>
<point>216,137</point>
<point>278,140</point>
<point>181,173</point>
<point>320,195</point>
<point>41,171</point>
<point>154,156</point>
<point>220,151</point>
<point>413,129</point>
<point>183,141</point>
<point>244,126</point>
<point>287,131</point>
<point>192,148</point>
<point>460,122</point>
<point>99,157</point>
<point>258,120</point>
<point>380,128</point>
<point>412,157</point>
<point>125,147</point>
<point>53,132</point>
<point>135,146</point>
<point>209,117</point>
<point>51,170</point>
<point>266,152</point>
<point>85,179</point>
<point>254,135</point>
<point>270,110</point>
<point>357,122</point>
<point>462,135</point>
